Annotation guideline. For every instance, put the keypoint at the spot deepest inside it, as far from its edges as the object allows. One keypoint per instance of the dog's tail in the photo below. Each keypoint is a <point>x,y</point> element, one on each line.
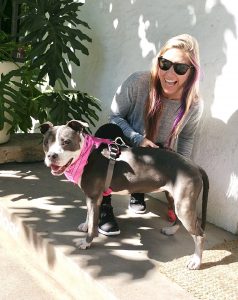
<point>204,196</point>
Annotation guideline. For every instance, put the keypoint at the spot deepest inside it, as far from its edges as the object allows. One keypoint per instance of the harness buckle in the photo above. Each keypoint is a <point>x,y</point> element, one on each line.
<point>113,151</point>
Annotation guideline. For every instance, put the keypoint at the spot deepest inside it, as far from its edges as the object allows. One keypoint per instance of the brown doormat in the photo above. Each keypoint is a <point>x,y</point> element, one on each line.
<point>216,280</point>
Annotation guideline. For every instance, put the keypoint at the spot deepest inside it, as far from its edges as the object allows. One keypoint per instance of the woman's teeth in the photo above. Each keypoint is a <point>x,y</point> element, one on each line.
<point>170,82</point>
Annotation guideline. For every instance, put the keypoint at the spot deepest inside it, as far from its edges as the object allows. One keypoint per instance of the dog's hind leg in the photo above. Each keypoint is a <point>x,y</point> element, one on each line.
<point>170,230</point>
<point>185,208</point>
<point>188,216</point>
<point>195,260</point>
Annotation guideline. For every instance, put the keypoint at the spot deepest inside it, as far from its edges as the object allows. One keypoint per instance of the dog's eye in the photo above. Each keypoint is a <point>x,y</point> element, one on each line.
<point>65,142</point>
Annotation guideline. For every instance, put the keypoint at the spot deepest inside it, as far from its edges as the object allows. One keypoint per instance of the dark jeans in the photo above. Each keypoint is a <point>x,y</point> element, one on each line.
<point>110,131</point>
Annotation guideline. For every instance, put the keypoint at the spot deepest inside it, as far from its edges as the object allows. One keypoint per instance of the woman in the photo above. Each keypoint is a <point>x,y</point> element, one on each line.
<point>161,107</point>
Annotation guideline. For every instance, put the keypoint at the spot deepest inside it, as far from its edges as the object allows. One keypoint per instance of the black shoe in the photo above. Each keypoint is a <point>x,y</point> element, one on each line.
<point>137,204</point>
<point>107,222</point>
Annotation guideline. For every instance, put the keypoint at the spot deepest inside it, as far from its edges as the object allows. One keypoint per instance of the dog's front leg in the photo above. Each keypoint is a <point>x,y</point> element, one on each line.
<point>91,224</point>
<point>84,226</point>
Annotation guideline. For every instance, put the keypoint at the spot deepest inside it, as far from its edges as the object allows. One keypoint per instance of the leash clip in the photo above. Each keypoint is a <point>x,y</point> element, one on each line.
<point>119,141</point>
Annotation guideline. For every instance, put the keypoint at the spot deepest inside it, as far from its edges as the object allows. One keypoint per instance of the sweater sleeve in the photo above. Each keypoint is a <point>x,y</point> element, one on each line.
<point>122,106</point>
<point>186,136</point>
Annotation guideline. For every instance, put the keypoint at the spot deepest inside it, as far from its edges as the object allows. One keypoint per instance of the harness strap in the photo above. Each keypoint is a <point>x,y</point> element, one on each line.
<point>113,153</point>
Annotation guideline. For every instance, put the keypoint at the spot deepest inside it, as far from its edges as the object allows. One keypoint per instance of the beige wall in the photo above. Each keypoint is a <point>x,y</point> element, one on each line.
<point>126,36</point>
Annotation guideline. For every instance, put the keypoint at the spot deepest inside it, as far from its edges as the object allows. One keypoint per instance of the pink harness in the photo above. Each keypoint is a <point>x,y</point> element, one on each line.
<point>75,170</point>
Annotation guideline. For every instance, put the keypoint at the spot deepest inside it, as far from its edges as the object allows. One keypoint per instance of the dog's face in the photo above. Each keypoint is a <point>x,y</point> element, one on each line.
<point>62,144</point>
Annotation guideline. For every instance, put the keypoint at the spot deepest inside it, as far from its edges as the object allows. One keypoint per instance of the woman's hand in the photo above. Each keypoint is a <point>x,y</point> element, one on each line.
<point>147,143</point>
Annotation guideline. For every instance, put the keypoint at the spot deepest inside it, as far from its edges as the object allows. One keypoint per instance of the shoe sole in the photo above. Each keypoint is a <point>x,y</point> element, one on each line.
<point>109,233</point>
<point>136,211</point>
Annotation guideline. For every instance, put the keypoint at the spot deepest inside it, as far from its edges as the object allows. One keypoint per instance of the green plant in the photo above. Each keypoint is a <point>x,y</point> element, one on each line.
<point>10,47</point>
<point>7,47</point>
<point>50,30</point>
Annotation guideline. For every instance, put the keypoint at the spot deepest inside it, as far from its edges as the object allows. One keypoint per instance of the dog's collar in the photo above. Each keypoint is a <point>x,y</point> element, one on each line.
<point>75,170</point>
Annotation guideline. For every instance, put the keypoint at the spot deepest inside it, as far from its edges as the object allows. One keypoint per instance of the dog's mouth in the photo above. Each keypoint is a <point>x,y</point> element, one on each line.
<point>59,170</point>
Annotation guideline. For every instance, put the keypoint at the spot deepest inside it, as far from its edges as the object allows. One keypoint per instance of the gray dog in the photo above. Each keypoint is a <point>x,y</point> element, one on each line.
<point>68,150</point>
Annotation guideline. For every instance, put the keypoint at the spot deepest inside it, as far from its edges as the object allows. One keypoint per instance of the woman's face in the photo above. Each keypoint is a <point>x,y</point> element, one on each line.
<point>172,83</point>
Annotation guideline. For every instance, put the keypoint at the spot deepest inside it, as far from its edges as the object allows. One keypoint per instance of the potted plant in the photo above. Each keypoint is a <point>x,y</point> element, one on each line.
<point>51,32</point>
<point>8,59</point>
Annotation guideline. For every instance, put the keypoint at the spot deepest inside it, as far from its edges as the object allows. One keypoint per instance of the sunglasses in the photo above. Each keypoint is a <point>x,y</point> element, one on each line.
<point>179,68</point>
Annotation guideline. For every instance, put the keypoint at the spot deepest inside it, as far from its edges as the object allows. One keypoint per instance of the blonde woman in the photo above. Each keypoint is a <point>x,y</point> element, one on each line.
<point>156,108</point>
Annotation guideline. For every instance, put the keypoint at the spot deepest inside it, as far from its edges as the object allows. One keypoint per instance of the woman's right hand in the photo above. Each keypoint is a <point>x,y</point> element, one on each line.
<point>147,143</point>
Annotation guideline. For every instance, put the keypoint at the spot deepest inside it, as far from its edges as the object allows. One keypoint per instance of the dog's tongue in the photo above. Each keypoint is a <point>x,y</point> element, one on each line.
<point>55,167</point>
<point>58,170</point>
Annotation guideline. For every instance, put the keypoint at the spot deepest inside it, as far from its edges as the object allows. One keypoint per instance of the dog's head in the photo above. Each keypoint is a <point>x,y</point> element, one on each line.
<point>62,144</point>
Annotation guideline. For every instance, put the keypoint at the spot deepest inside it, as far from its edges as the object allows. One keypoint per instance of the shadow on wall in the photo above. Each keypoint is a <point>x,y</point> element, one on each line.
<point>127,35</point>
<point>216,144</point>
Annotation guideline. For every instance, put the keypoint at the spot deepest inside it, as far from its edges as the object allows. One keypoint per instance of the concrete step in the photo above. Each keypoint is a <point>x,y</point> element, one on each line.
<point>41,213</point>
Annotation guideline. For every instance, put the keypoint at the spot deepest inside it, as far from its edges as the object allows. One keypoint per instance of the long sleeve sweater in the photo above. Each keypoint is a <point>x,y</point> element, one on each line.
<point>127,111</point>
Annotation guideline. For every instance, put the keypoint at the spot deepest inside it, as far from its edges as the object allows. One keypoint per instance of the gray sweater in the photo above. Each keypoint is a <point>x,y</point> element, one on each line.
<point>127,111</point>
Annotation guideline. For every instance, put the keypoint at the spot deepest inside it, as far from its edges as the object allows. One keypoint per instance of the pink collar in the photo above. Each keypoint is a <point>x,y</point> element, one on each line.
<point>75,170</point>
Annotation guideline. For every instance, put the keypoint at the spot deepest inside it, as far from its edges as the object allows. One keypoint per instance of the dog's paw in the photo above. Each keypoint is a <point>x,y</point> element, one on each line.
<point>83,227</point>
<point>170,230</point>
<point>194,262</point>
<point>82,244</point>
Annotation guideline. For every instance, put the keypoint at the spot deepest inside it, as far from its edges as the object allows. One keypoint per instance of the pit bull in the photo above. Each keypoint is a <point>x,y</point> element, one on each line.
<point>70,151</point>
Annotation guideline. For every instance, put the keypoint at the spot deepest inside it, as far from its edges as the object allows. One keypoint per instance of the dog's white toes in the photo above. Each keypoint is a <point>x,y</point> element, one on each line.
<point>82,244</point>
<point>83,227</point>
<point>171,230</point>
<point>194,263</point>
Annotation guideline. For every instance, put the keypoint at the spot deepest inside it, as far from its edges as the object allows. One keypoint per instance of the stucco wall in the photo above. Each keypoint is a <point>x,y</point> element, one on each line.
<point>126,36</point>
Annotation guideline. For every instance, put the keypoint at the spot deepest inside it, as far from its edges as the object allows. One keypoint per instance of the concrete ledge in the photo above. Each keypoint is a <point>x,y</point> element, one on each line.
<point>22,147</point>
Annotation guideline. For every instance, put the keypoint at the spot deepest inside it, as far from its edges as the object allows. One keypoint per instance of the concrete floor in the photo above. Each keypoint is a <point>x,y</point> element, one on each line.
<point>41,213</point>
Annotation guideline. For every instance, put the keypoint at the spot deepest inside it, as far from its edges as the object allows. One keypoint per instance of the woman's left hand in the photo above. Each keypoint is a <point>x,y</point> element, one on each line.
<point>147,143</point>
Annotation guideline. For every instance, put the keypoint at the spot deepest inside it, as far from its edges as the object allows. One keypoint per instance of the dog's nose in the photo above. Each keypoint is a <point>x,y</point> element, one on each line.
<point>52,156</point>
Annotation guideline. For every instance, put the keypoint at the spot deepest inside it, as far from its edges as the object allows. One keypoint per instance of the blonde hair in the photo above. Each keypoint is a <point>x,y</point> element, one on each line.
<point>190,94</point>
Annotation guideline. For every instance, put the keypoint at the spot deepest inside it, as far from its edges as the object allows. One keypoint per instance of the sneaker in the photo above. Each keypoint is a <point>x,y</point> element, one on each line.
<point>137,204</point>
<point>172,216</point>
<point>107,222</point>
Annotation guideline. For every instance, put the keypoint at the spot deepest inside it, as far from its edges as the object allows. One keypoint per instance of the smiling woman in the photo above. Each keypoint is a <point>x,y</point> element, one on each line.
<point>158,107</point>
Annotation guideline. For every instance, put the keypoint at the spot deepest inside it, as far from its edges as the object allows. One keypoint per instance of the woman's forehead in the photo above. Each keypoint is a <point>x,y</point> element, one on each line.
<point>176,55</point>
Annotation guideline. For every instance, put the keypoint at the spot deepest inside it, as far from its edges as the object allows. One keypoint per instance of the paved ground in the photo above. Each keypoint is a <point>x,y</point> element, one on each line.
<point>40,213</point>
<point>21,278</point>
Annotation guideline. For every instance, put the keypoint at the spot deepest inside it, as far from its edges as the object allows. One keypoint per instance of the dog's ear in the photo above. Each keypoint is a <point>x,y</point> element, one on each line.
<point>45,127</point>
<point>77,125</point>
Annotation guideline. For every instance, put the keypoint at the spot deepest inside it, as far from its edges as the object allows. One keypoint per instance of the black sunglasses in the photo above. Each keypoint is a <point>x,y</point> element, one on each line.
<point>179,68</point>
